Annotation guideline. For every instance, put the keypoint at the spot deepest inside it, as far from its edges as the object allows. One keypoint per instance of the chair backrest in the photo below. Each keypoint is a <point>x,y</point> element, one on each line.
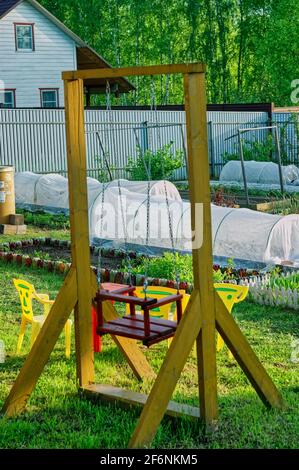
<point>231,294</point>
<point>159,292</point>
<point>25,291</point>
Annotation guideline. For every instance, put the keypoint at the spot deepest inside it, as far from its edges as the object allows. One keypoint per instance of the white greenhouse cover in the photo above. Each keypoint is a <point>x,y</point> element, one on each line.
<point>259,172</point>
<point>237,233</point>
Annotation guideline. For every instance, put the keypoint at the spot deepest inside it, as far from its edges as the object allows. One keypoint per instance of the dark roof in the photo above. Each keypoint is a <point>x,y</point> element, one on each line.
<point>7,5</point>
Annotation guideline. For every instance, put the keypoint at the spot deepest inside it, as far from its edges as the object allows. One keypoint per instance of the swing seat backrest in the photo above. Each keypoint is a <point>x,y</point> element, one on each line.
<point>158,292</point>
<point>231,294</point>
<point>25,291</point>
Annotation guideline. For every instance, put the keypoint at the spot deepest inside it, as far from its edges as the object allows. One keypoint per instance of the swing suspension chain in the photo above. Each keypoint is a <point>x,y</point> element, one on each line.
<point>99,269</point>
<point>171,234</point>
<point>123,219</point>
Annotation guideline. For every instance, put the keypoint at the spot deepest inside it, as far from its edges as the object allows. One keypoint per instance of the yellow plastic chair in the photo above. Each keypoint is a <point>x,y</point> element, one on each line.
<point>230,294</point>
<point>27,293</point>
<point>158,292</point>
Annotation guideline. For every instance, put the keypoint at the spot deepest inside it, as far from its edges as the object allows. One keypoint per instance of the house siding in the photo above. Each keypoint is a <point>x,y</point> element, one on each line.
<point>27,72</point>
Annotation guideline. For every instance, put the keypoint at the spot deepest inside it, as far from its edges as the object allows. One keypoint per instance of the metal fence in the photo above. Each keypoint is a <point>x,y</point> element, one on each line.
<point>34,139</point>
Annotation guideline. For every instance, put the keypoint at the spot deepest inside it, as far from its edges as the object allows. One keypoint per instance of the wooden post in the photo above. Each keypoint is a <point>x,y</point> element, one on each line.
<point>199,182</point>
<point>76,157</point>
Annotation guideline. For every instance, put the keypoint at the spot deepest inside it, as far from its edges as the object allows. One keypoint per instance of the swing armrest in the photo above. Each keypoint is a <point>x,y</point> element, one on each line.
<point>127,299</point>
<point>121,290</point>
<point>167,300</point>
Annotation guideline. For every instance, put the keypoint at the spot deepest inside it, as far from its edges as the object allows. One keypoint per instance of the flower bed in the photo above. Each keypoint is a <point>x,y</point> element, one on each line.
<point>262,290</point>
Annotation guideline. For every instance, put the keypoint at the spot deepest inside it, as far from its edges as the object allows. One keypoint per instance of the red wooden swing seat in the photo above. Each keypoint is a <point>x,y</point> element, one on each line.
<point>149,330</point>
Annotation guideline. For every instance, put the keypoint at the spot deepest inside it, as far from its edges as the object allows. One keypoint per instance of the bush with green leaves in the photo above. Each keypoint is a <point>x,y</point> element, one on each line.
<point>168,265</point>
<point>155,165</point>
<point>46,221</point>
<point>253,150</point>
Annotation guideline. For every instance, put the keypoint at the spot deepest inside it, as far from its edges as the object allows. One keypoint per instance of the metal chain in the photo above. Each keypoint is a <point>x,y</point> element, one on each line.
<point>171,234</point>
<point>99,269</point>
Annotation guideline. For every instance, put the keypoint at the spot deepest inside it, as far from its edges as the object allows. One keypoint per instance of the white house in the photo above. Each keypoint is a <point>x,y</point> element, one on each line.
<point>35,48</point>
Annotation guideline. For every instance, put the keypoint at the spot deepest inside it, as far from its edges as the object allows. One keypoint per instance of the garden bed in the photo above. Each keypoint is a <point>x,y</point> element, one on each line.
<point>279,289</point>
<point>262,203</point>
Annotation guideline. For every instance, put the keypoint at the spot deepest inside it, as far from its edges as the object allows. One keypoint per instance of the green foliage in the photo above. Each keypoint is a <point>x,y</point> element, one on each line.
<point>168,265</point>
<point>253,150</point>
<point>250,46</point>
<point>154,166</point>
<point>46,221</point>
<point>279,281</point>
<point>289,205</point>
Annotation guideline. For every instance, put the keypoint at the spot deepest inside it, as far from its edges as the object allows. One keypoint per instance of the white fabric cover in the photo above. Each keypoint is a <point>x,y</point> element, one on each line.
<point>259,172</point>
<point>237,233</point>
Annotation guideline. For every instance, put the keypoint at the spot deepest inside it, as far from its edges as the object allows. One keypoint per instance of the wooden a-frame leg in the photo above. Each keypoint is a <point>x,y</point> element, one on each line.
<point>176,357</point>
<point>245,356</point>
<point>43,346</point>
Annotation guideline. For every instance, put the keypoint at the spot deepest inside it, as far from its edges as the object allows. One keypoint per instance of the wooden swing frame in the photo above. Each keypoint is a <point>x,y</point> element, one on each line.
<point>205,311</point>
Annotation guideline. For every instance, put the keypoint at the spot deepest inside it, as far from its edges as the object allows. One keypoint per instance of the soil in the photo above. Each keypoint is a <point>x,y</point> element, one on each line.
<point>56,253</point>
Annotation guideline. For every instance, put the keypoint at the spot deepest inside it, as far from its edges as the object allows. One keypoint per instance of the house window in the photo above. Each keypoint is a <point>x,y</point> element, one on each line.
<point>7,99</point>
<point>49,98</point>
<point>24,37</point>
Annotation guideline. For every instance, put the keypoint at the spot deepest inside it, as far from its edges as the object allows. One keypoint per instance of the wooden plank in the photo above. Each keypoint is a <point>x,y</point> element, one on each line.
<point>154,320</point>
<point>76,158</point>
<point>169,374</point>
<point>7,229</point>
<point>129,322</point>
<point>128,399</point>
<point>245,356</point>
<point>127,299</point>
<point>43,346</point>
<point>127,332</point>
<point>128,347</point>
<point>199,183</point>
<point>16,219</point>
<point>134,71</point>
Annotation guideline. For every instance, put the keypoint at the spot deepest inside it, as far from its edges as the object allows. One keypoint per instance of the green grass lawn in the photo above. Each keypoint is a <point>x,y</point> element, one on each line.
<point>57,417</point>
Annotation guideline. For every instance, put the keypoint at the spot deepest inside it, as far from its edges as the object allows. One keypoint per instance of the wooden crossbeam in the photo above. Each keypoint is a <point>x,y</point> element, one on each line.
<point>134,71</point>
<point>245,356</point>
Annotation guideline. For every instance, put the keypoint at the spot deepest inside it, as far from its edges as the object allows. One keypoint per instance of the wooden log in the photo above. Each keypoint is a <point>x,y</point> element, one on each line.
<point>16,219</point>
<point>6,229</point>
<point>76,157</point>
<point>199,183</point>
<point>129,399</point>
<point>106,73</point>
